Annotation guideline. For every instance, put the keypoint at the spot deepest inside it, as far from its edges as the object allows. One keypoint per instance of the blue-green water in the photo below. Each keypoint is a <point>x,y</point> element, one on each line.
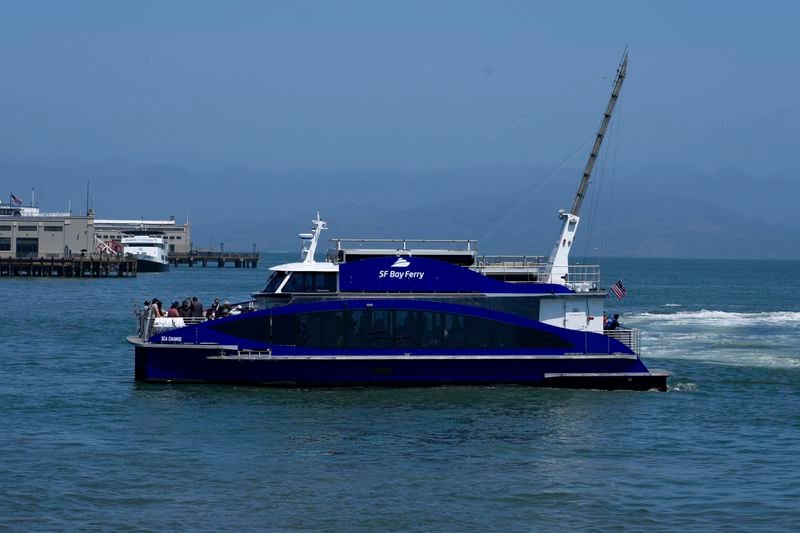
<point>83,446</point>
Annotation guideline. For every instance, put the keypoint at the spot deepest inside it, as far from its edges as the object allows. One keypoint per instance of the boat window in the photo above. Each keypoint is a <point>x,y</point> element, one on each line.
<point>246,327</point>
<point>274,281</point>
<point>388,329</point>
<point>402,328</point>
<point>311,282</point>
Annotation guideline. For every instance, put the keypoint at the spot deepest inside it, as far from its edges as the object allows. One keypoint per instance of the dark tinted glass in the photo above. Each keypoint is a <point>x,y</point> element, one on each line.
<point>274,281</point>
<point>311,282</point>
<point>389,328</point>
<point>246,327</point>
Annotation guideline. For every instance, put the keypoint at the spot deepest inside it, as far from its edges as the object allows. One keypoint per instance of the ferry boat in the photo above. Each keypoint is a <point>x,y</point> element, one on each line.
<point>411,313</point>
<point>149,250</point>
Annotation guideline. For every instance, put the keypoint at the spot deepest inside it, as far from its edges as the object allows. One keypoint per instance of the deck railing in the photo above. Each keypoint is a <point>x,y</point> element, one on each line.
<point>511,261</point>
<point>583,278</point>
<point>149,326</point>
<point>580,278</point>
<point>627,336</point>
<point>467,245</point>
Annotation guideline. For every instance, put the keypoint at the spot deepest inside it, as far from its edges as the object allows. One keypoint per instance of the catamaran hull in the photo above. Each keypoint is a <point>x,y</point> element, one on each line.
<point>146,265</point>
<point>177,364</point>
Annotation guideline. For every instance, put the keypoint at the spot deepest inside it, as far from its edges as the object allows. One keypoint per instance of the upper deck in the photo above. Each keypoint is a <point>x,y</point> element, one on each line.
<point>464,253</point>
<point>456,252</point>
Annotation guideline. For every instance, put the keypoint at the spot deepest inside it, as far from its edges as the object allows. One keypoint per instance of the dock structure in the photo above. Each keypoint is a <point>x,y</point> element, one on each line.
<point>83,266</point>
<point>220,259</point>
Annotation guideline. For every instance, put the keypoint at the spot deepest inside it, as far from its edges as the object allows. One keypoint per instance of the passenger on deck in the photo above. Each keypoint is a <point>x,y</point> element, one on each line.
<point>143,315</point>
<point>186,309</point>
<point>155,309</point>
<point>197,307</point>
<point>612,323</point>
<point>173,310</point>
<point>215,307</point>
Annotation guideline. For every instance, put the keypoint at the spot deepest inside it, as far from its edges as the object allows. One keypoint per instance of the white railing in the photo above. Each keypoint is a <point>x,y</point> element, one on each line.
<point>583,278</point>
<point>511,261</point>
<point>627,336</point>
<point>467,245</point>
<point>580,278</point>
<point>150,325</point>
<point>155,325</point>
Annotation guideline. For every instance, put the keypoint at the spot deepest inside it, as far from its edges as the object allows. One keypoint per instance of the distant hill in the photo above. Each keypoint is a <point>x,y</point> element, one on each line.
<point>659,227</point>
<point>645,213</point>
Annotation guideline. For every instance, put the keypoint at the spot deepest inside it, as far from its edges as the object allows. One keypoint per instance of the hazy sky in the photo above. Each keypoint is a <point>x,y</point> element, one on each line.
<point>404,86</point>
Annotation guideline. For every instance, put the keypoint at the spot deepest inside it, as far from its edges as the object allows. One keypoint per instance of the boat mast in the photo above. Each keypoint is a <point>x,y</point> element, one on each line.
<point>559,257</point>
<point>601,133</point>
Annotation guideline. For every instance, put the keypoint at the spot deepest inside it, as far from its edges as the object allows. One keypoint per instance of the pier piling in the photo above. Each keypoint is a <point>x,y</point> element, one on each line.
<point>88,266</point>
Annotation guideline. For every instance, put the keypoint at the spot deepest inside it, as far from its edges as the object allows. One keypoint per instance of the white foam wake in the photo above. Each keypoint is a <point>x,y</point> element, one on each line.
<point>768,339</point>
<point>790,319</point>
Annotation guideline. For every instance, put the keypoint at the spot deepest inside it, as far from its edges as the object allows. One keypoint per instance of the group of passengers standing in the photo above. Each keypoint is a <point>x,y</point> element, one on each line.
<point>189,308</point>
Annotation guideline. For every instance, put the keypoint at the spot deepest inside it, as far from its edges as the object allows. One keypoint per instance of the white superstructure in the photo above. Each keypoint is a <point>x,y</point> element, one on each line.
<point>149,251</point>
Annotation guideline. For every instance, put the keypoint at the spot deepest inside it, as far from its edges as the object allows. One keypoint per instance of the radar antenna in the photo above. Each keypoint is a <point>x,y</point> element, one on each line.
<point>310,240</point>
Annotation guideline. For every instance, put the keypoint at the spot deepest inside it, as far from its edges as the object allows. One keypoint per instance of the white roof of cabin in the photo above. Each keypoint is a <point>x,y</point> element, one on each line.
<point>307,267</point>
<point>142,239</point>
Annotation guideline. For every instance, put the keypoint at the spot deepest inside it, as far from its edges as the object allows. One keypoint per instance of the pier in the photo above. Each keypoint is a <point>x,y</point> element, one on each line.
<point>220,259</point>
<point>86,266</point>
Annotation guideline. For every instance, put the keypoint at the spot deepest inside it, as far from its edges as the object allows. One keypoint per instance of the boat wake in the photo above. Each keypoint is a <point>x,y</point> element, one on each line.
<point>790,319</point>
<point>684,386</point>
<point>766,339</point>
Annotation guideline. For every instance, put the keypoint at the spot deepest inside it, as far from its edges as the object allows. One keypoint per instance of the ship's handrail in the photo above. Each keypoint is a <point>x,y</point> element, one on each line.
<point>583,277</point>
<point>467,245</point>
<point>152,325</point>
<point>580,278</point>
<point>511,261</point>
<point>627,336</point>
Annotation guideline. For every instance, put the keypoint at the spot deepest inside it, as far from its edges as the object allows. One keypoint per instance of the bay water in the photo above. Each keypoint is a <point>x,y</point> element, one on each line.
<point>82,446</point>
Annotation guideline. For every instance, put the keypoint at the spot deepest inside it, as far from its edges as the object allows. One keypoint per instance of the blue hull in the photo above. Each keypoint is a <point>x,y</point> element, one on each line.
<point>160,363</point>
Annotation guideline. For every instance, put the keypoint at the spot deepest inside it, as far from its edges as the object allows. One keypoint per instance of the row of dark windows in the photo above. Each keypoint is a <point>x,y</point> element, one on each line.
<point>171,237</point>
<point>302,282</point>
<point>25,247</point>
<point>523,306</point>
<point>33,228</point>
<point>311,282</point>
<point>388,328</point>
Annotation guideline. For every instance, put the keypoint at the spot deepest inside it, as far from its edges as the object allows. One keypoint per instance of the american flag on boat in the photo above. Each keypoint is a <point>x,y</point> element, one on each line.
<point>619,289</point>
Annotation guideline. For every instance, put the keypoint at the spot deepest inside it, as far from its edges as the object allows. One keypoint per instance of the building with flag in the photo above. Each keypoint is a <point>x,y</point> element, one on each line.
<point>27,231</point>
